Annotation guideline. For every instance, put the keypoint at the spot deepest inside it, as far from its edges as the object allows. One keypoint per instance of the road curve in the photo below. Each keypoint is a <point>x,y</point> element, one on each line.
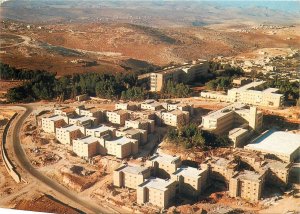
<point>26,165</point>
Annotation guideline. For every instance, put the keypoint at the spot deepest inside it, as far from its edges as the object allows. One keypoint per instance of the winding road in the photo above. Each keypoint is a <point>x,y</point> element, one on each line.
<point>26,165</point>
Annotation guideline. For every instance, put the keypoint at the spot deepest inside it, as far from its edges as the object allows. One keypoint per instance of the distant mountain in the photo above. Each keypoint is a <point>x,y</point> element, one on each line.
<point>152,13</point>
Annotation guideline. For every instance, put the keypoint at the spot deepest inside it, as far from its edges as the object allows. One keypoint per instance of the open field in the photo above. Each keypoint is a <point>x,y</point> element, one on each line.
<point>71,47</point>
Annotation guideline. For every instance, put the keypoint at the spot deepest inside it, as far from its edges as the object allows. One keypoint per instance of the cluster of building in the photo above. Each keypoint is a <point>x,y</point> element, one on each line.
<point>180,74</point>
<point>159,180</point>
<point>238,121</point>
<point>245,172</point>
<point>252,93</point>
<point>120,132</point>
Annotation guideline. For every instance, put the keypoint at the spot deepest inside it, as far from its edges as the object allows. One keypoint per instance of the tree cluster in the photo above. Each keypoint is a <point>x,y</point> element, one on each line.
<point>191,136</point>
<point>175,90</point>
<point>44,85</point>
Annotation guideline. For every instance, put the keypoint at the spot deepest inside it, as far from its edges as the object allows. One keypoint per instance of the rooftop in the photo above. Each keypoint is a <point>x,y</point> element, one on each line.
<point>55,118</point>
<point>278,142</point>
<point>70,128</point>
<point>88,139</point>
<point>237,132</point>
<point>249,175</point>
<point>121,140</point>
<point>224,111</point>
<point>187,171</point>
<point>270,90</point>
<point>83,118</point>
<point>156,183</point>
<point>164,158</point>
<point>175,112</point>
<point>130,130</point>
<point>132,169</point>
<point>101,128</point>
<point>250,85</point>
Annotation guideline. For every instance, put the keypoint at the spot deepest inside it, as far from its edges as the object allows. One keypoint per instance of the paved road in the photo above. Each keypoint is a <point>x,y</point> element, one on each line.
<point>26,165</point>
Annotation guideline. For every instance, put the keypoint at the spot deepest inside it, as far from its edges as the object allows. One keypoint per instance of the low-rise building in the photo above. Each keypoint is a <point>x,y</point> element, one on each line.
<point>156,191</point>
<point>127,106</point>
<point>138,134</point>
<point>67,134</point>
<point>140,123</point>
<point>151,105</point>
<point>130,176</point>
<point>100,131</point>
<point>247,185</point>
<point>117,116</point>
<point>91,112</point>
<point>284,145</point>
<point>122,147</point>
<point>65,111</point>
<point>85,121</point>
<point>163,165</point>
<point>169,106</point>
<point>86,147</point>
<point>190,181</point>
<point>250,94</point>
<point>49,124</point>
<point>175,118</point>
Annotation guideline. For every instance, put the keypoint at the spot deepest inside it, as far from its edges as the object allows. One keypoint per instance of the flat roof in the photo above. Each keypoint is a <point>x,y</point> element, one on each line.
<point>55,117</point>
<point>270,90</point>
<point>121,140</point>
<point>156,183</point>
<point>132,169</point>
<point>187,171</point>
<point>249,175</point>
<point>83,118</point>
<point>70,128</point>
<point>250,85</point>
<point>276,142</point>
<point>175,112</point>
<point>237,131</point>
<point>88,139</point>
<point>101,128</point>
<point>160,157</point>
<point>224,111</point>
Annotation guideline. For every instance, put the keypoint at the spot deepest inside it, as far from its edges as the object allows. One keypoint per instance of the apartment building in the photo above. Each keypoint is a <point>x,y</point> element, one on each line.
<point>151,105</point>
<point>284,145</point>
<point>247,185</point>
<point>241,81</point>
<point>175,118</point>
<point>163,165</point>
<point>250,94</point>
<point>278,173</point>
<point>140,123</point>
<point>85,121</point>
<point>144,115</point>
<point>117,116</point>
<point>237,120</point>
<point>220,168</point>
<point>138,134</point>
<point>91,112</point>
<point>122,147</point>
<point>183,73</point>
<point>101,130</point>
<point>67,134</point>
<point>156,191</point>
<point>130,176</point>
<point>86,147</point>
<point>190,181</point>
<point>49,124</point>
<point>169,106</point>
<point>127,106</point>
<point>65,111</point>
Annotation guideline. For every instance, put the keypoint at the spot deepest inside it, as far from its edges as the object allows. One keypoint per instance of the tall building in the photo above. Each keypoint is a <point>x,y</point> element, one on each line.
<point>183,73</point>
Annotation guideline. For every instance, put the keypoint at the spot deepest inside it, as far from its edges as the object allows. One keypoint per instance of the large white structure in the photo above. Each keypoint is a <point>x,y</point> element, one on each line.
<point>284,145</point>
<point>249,94</point>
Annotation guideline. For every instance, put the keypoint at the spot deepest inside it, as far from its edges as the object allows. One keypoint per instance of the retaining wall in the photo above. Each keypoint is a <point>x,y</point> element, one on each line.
<point>8,164</point>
